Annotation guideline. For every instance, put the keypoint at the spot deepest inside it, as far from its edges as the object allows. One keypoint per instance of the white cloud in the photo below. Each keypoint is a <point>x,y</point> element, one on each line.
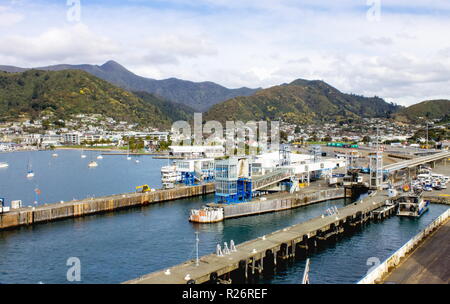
<point>8,18</point>
<point>257,43</point>
<point>172,49</point>
<point>56,45</point>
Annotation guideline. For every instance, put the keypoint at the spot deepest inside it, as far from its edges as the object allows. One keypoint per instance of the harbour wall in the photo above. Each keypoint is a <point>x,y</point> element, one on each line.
<point>280,202</point>
<point>56,211</point>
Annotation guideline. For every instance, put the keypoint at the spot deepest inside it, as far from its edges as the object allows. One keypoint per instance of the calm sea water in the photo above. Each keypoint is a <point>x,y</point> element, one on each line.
<point>68,176</point>
<point>123,245</point>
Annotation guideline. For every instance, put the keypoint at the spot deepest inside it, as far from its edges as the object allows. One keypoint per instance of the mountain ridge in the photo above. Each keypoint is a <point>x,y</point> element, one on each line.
<point>198,95</point>
<point>427,109</point>
<point>69,92</point>
<point>301,101</point>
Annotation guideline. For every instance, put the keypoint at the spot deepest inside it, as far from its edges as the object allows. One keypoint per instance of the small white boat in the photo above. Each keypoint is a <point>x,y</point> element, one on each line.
<point>169,174</point>
<point>137,161</point>
<point>99,157</point>
<point>128,157</point>
<point>4,165</point>
<point>55,155</point>
<point>83,156</point>
<point>92,164</point>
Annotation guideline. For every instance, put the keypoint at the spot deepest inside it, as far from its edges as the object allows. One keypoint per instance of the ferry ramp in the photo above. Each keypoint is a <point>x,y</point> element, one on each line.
<point>271,178</point>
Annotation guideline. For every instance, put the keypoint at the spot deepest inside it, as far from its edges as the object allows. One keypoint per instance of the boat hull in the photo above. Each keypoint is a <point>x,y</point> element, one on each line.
<point>206,215</point>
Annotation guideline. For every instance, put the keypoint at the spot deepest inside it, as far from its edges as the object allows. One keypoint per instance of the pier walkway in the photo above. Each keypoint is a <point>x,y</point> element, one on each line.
<point>71,209</point>
<point>428,264</point>
<point>252,254</point>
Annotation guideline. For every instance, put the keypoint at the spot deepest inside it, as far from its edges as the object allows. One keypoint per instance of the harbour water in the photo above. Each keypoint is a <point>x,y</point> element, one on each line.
<point>68,176</point>
<point>119,246</point>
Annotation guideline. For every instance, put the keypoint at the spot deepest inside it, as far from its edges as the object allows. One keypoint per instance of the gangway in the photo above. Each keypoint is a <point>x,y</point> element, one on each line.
<point>271,178</point>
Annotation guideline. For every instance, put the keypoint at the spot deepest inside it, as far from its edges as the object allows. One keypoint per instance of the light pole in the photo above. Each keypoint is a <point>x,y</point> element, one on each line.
<point>196,248</point>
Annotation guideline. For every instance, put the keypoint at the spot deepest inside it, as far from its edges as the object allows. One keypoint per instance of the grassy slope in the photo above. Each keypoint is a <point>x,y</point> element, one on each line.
<point>301,101</point>
<point>430,109</point>
<point>71,92</point>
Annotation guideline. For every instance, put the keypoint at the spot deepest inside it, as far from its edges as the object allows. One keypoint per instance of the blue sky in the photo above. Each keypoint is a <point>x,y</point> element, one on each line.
<point>403,55</point>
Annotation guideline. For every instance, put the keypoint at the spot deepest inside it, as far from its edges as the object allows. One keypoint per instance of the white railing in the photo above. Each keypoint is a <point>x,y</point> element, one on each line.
<point>378,272</point>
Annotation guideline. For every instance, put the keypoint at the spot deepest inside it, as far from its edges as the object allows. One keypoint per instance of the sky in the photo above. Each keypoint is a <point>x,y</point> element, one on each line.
<point>398,49</point>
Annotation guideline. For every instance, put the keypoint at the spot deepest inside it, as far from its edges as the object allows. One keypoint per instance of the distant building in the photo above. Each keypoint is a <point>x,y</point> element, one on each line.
<point>161,136</point>
<point>91,137</point>
<point>72,138</point>
<point>197,151</point>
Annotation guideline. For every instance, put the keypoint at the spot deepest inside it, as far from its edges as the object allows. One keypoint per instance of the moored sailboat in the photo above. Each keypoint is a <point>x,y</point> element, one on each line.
<point>30,172</point>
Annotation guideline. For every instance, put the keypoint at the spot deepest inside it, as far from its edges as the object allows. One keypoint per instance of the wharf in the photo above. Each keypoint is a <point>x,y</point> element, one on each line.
<point>264,252</point>
<point>71,209</point>
<point>281,201</point>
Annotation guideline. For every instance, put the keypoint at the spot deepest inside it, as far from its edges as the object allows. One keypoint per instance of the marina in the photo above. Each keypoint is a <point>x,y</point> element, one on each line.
<point>264,222</point>
<point>103,242</point>
<point>234,143</point>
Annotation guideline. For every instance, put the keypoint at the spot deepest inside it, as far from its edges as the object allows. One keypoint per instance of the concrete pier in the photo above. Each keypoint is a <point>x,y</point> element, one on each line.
<point>264,253</point>
<point>56,211</point>
<point>281,201</point>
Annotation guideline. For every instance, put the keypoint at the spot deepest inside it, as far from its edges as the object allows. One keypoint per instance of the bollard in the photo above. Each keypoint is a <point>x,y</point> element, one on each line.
<point>219,250</point>
<point>225,248</point>
<point>232,247</point>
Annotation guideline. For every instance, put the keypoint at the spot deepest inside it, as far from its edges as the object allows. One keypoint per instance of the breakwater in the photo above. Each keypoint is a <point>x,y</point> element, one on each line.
<point>280,202</point>
<point>56,211</point>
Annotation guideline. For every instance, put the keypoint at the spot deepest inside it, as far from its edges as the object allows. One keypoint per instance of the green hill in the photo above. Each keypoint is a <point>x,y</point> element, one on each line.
<point>70,92</point>
<point>429,109</point>
<point>174,111</point>
<point>197,95</point>
<point>301,101</point>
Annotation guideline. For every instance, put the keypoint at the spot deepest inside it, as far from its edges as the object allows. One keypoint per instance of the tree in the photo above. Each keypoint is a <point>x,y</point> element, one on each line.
<point>366,139</point>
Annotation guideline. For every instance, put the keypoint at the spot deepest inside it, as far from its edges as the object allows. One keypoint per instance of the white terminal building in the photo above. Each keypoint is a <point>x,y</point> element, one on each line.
<point>197,151</point>
<point>301,164</point>
<point>199,165</point>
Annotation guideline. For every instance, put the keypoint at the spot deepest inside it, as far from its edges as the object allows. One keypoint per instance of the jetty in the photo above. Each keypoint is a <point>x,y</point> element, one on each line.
<point>281,201</point>
<point>89,206</point>
<point>240,262</point>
